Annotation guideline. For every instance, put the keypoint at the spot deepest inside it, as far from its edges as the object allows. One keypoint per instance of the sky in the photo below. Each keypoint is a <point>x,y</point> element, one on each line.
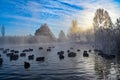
<point>23,17</point>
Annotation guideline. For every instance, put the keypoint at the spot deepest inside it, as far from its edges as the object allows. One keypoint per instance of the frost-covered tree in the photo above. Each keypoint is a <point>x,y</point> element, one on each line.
<point>103,29</point>
<point>74,31</point>
<point>45,31</point>
<point>89,35</point>
<point>117,26</point>
<point>62,36</point>
<point>102,19</point>
<point>117,33</point>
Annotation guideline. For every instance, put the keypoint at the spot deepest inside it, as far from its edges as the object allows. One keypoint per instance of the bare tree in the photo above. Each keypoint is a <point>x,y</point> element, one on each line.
<point>3,31</point>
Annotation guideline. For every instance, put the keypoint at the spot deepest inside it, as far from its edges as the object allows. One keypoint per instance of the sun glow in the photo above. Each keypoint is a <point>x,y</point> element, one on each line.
<point>85,28</point>
<point>77,28</point>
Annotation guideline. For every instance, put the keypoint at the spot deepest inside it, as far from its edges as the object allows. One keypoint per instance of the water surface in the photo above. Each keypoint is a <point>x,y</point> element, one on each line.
<point>93,67</point>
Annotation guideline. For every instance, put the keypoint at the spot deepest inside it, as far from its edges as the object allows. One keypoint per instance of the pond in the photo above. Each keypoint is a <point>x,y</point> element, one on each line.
<point>93,67</point>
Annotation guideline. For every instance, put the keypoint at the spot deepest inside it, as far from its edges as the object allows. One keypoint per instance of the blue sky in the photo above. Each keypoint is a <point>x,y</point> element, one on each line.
<point>23,17</point>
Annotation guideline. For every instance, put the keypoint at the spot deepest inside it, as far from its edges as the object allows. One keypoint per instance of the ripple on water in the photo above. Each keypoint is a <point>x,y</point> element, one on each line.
<point>78,68</point>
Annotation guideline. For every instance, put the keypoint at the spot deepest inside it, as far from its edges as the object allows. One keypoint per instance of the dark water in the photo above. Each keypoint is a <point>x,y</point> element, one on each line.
<point>93,67</point>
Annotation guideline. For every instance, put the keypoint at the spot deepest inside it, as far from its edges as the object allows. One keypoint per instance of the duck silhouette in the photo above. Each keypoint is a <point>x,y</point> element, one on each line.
<point>26,65</point>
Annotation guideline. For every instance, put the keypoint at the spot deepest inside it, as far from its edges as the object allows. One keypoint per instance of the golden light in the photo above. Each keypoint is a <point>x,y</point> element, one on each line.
<point>77,28</point>
<point>85,28</point>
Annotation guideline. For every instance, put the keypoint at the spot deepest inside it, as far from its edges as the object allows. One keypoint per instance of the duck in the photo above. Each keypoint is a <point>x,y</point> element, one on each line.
<point>40,59</point>
<point>85,54</point>
<point>71,54</point>
<point>49,49</point>
<point>30,49</point>
<point>40,48</point>
<point>60,53</point>
<point>26,50</point>
<point>16,51</point>
<point>68,51</point>
<point>71,48</point>
<point>22,54</point>
<point>14,57</point>
<point>1,60</point>
<point>12,50</point>
<point>26,65</point>
<point>78,50</point>
<point>90,50</point>
<point>9,54</point>
<point>61,56</point>
<point>31,57</point>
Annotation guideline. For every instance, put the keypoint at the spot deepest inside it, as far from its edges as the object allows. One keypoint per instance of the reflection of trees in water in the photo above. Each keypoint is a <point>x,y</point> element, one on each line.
<point>103,67</point>
<point>118,66</point>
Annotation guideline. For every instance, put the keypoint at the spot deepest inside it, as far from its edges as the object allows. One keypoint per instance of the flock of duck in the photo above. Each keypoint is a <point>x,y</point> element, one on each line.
<point>15,54</point>
<point>106,56</point>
